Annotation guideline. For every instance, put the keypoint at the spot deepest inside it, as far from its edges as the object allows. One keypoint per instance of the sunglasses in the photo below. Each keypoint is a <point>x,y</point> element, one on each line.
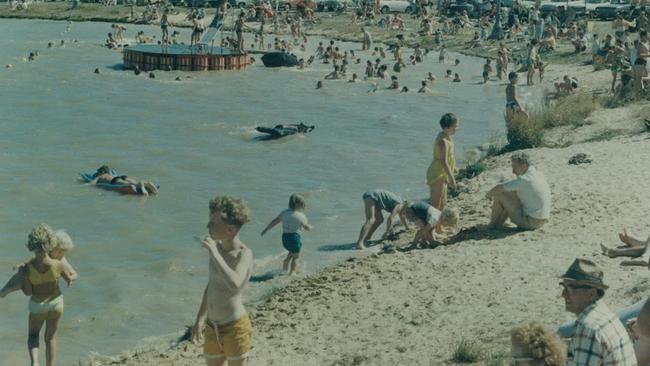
<point>572,288</point>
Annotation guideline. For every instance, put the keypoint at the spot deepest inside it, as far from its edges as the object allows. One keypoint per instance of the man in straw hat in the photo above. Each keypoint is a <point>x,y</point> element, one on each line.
<point>599,338</point>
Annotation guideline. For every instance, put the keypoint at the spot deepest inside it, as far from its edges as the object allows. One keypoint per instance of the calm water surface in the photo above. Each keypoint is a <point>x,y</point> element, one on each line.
<point>141,274</point>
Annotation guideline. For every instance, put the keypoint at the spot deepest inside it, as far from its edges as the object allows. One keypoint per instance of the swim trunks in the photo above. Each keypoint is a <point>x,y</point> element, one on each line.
<point>513,105</point>
<point>291,242</point>
<point>230,340</point>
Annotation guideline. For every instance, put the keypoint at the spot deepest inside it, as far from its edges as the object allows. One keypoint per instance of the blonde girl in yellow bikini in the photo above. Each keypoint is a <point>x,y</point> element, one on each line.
<point>443,167</point>
<point>41,276</point>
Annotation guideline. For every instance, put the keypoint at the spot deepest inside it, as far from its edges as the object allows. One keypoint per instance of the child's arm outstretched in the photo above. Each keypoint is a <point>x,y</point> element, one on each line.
<point>72,274</point>
<point>15,283</point>
<point>271,224</point>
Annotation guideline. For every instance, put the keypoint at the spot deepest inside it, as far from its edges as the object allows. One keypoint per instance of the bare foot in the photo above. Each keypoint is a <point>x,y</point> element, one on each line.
<point>605,250</point>
<point>360,246</point>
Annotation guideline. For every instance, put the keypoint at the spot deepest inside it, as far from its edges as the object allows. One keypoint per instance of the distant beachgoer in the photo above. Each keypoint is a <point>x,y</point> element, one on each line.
<point>293,222</point>
<point>405,89</point>
<point>456,62</point>
<point>456,78</point>
<point>394,84</point>
<point>531,61</point>
<point>367,39</point>
<point>119,32</point>
<point>152,75</point>
<point>164,24</point>
<point>42,275</point>
<point>599,337</point>
<point>375,202</point>
<point>97,71</point>
<point>424,88</point>
<point>239,31</point>
<point>354,79</point>
<point>429,220</point>
<point>141,187</point>
<point>535,344</point>
<point>136,70</point>
<point>222,319</point>
<point>319,84</point>
<point>487,70</point>
<point>431,77</point>
<point>515,115</point>
<point>525,200</point>
<point>441,171</point>
<point>197,30</point>
<point>502,65</point>
<point>448,73</point>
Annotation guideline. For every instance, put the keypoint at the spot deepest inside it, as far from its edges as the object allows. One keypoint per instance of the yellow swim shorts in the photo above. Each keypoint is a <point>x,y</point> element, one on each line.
<point>231,340</point>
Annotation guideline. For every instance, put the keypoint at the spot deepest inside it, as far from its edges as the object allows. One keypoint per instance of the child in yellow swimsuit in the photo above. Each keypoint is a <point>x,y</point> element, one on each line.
<point>442,169</point>
<point>46,303</point>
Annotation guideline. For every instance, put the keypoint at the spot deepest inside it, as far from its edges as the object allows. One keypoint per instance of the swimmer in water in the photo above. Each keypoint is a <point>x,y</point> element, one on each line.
<point>405,89</point>
<point>103,175</point>
<point>319,84</point>
<point>394,83</point>
<point>354,79</point>
<point>456,78</point>
<point>431,77</point>
<point>457,62</point>
<point>448,73</point>
<point>423,87</point>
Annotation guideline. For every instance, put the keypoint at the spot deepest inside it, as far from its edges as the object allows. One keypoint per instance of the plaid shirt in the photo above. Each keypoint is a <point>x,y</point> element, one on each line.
<point>600,339</point>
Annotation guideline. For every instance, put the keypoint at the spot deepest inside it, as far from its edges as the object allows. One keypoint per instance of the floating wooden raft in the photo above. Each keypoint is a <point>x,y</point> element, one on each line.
<point>181,57</point>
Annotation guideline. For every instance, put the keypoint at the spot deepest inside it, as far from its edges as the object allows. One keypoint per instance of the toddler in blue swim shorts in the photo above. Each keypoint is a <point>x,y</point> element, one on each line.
<point>293,222</point>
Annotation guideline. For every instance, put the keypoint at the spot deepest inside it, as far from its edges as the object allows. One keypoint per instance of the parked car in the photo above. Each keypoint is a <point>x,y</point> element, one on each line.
<point>402,6</point>
<point>630,12</point>
<point>330,5</point>
<point>609,11</point>
<point>587,8</point>
<point>454,9</point>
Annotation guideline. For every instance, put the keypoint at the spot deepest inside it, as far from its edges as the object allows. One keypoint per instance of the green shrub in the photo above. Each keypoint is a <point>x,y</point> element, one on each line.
<point>471,170</point>
<point>467,352</point>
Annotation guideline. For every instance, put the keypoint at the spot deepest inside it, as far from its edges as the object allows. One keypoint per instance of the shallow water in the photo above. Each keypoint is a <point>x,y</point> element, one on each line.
<point>141,274</point>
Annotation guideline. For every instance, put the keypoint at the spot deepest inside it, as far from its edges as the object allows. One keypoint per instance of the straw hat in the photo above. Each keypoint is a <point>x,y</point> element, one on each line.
<point>584,272</point>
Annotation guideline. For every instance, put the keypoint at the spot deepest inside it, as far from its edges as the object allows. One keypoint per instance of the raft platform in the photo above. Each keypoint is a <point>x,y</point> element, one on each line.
<point>183,57</point>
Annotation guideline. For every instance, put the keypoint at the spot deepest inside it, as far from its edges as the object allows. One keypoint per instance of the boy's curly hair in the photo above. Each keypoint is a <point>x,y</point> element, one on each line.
<point>540,343</point>
<point>41,239</point>
<point>233,210</point>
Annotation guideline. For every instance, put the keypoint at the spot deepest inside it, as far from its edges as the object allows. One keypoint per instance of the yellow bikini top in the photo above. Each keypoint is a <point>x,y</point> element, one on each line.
<point>51,275</point>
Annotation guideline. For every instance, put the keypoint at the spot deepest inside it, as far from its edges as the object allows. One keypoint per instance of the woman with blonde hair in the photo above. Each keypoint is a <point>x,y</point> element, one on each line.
<point>535,345</point>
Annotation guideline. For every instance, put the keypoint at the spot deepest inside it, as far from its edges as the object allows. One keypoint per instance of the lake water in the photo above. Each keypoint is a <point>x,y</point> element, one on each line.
<point>141,274</point>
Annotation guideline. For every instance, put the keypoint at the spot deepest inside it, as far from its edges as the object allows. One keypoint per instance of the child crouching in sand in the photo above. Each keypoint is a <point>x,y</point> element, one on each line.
<point>429,220</point>
<point>293,221</point>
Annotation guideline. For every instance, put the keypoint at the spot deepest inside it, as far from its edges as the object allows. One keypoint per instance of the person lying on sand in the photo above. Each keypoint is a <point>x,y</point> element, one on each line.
<point>632,247</point>
<point>525,200</point>
<point>104,176</point>
<point>429,220</point>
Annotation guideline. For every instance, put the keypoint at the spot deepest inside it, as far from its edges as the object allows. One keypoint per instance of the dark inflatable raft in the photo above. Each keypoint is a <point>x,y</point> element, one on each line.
<point>279,59</point>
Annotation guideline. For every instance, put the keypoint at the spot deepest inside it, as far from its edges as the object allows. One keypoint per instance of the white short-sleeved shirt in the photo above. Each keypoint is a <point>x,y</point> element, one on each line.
<point>292,221</point>
<point>533,192</point>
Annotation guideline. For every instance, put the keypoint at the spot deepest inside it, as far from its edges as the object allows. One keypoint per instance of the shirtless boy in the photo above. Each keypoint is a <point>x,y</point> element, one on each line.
<point>222,319</point>
<point>514,112</point>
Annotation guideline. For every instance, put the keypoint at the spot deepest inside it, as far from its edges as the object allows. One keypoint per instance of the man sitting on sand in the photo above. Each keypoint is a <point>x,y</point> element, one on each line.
<point>375,202</point>
<point>525,200</point>
<point>599,337</point>
<point>227,331</point>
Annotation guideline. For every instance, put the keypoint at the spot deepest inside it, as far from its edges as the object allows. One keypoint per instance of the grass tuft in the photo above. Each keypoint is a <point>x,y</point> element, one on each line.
<point>467,352</point>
